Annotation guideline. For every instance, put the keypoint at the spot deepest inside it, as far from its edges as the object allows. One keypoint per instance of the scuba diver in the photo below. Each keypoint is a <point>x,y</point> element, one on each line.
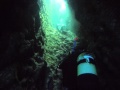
<point>86,72</point>
<point>79,70</point>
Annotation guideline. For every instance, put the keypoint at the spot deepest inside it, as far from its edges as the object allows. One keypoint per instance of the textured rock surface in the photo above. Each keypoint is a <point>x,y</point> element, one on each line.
<point>21,65</point>
<point>100,32</point>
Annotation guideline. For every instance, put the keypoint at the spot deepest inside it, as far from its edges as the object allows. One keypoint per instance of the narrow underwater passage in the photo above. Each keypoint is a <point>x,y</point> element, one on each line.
<point>58,24</point>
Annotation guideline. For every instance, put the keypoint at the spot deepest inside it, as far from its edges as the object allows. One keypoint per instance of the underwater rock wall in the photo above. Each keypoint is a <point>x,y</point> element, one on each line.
<point>21,65</point>
<point>100,21</point>
<point>58,40</point>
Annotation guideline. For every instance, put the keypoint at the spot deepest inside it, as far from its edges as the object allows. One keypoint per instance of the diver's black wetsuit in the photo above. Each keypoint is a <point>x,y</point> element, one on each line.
<point>70,79</point>
<point>88,82</point>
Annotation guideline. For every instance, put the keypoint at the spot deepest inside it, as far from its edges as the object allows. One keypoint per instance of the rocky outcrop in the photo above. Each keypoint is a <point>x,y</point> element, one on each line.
<point>21,64</point>
<point>100,32</point>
